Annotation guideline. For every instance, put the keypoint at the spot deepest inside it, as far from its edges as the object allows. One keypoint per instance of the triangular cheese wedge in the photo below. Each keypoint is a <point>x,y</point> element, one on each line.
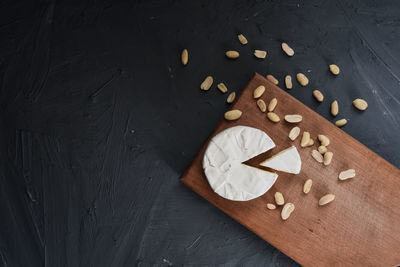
<point>287,160</point>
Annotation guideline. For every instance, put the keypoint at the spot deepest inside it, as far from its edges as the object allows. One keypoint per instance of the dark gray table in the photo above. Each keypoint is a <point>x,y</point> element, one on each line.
<point>99,119</point>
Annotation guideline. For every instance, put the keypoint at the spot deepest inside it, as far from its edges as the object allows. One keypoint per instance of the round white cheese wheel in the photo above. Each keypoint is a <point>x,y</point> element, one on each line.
<point>222,163</point>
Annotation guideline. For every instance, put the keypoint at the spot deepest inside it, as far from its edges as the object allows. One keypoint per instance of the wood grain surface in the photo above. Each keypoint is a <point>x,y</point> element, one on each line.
<point>360,228</point>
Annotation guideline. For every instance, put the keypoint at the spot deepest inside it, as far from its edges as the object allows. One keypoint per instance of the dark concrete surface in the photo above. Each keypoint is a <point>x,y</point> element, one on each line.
<point>98,119</point>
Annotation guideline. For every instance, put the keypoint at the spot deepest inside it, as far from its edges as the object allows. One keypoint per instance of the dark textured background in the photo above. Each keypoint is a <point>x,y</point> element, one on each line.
<point>99,119</point>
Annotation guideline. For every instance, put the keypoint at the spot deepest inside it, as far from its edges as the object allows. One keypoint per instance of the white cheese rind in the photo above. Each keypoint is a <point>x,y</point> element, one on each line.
<point>222,163</point>
<point>287,160</point>
<point>246,183</point>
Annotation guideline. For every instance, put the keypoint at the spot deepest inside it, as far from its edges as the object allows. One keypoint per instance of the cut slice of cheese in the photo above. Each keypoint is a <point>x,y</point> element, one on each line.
<point>222,163</point>
<point>287,160</point>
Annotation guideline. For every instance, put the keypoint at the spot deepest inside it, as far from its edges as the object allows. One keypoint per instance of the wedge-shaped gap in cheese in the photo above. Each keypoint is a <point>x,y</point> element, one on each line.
<point>288,160</point>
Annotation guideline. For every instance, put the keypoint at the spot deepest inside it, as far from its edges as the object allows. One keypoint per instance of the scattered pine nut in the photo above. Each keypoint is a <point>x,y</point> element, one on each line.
<point>302,79</point>
<point>261,105</point>
<point>334,69</point>
<point>344,175</point>
<point>307,186</point>
<point>326,199</point>
<point>322,149</point>
<point>287,210</point>
<point>272,79</point>
<point>260,54</point>
<point>272,104</point>
<point>288,82</point>
<point>341,123</point>
<point>293,118</point>
<point>360,104</point>
<point>222,87</point>
<point>273,117</point>
<point>334,108</point>
<point>324,140</point>
<point>231,98</point>
<point>287,49</point>
<point>279,200</point>
<point>328,158</point>
<point>317,156</point>
<point>305,139</point>
<point>318,95</point>
<point>242,39</point>
<point>206,84</point>
<point>259,91</point>
<point>232,54</point>
<point>233,115</point>
<point>294,133</point>
<point>271,206</point>
<point>185,57</point>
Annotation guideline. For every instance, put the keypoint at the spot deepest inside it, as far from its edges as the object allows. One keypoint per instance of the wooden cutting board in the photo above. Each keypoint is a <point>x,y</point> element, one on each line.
<point>360,228</point>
